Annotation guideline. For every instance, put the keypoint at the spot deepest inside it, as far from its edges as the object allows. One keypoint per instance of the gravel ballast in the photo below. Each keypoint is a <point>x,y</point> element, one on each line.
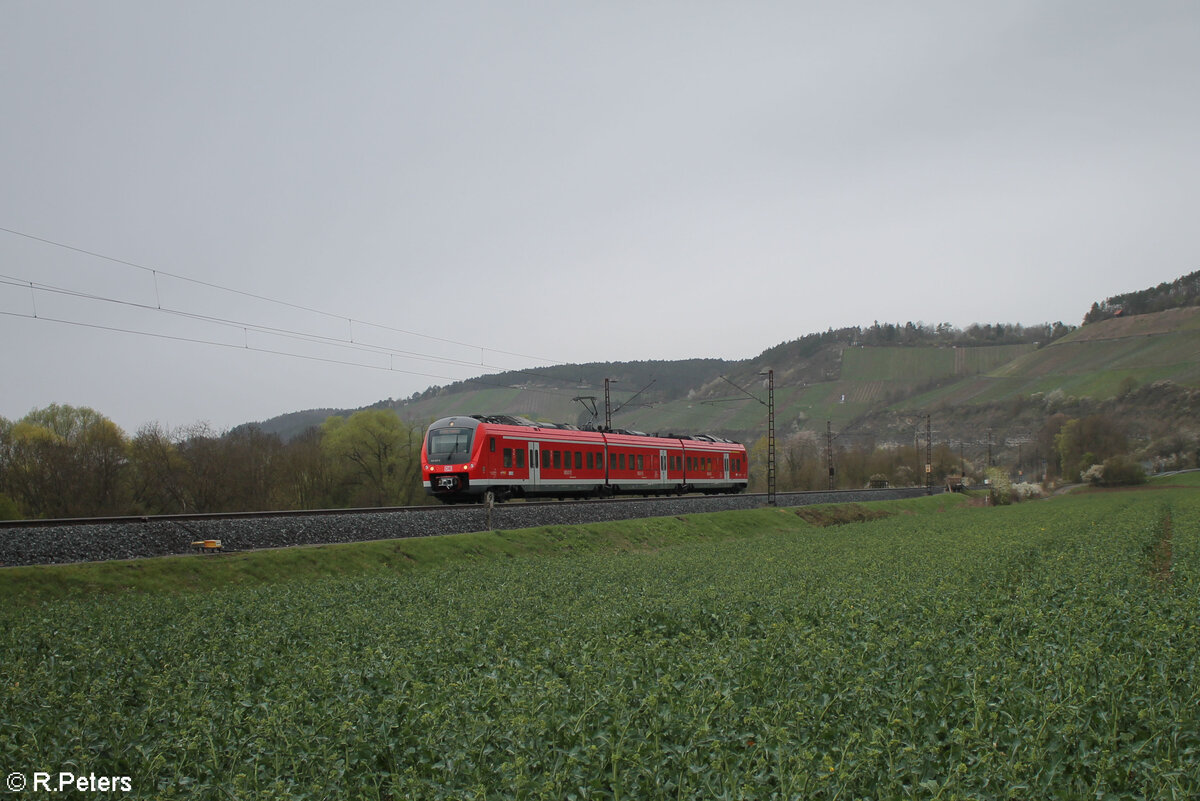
<point>23,544</point>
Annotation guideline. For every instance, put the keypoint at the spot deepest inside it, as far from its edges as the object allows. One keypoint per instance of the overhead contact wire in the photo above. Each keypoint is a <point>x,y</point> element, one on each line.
<point>264,298</point>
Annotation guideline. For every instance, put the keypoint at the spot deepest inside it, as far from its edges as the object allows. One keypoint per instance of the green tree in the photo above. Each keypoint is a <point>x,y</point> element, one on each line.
<point>252,460</point>
<point>376,456</point>
<point>801,464</point>
<point>305,474</point>
<point>65,461</point>
<point>1047,443</point>
<point>207,475</point>
<point>1091,440</point>
<point>159,474</point>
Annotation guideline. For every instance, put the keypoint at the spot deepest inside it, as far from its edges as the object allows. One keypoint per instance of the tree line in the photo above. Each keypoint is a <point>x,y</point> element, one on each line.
<point>1094,448</point>
<point>1180,293</point>
<point>66,461</point>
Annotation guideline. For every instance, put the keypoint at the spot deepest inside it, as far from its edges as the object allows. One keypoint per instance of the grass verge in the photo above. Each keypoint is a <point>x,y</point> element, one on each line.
<point>205,572</point>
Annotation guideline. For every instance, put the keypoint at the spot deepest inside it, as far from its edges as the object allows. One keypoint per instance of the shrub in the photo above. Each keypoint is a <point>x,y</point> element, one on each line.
<point>1123,471</point>
<point>1000,486</point>
<point>1026,491</point>
<point>1117,471</point>
<point>8,508</point>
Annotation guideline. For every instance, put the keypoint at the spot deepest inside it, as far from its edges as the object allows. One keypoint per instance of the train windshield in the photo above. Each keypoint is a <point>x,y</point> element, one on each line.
<point>448,445</point>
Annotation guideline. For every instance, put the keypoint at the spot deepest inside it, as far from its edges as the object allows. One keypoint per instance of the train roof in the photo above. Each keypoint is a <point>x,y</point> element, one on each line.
<point>516,420</point>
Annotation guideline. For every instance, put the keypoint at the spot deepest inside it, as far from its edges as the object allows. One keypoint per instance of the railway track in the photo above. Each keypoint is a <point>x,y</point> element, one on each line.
<point>30,542</point>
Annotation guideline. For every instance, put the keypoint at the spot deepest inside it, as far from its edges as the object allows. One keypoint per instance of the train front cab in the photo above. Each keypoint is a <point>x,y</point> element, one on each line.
<point>449,454</point>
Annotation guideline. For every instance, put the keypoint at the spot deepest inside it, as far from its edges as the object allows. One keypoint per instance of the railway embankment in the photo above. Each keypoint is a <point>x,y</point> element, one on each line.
<point>61,542</point>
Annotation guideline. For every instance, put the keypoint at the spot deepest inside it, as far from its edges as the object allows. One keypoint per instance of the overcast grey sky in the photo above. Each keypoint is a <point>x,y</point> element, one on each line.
<point>547,182</point>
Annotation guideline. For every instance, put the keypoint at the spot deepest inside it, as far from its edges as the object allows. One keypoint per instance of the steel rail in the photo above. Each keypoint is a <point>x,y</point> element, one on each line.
<point>419,509</point>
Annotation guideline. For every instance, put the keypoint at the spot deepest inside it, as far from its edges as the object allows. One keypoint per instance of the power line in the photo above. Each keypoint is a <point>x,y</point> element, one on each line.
<point>156,272</point>
<point>244,325</point>
<point>230,345</point>
<point>255,348</point>
<point>346,343</point>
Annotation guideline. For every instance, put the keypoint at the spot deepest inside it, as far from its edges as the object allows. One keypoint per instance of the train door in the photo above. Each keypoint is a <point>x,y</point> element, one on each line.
<point>535,464</point>
<point>727,467</point>
<point>662,467</point>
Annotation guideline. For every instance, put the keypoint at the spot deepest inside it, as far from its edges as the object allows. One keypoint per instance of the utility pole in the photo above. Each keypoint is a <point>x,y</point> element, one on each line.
<point>770,404</point>
<point>829,451</point>
<point>607,408</point>
<point>770,437</point>
<point>928,455</point>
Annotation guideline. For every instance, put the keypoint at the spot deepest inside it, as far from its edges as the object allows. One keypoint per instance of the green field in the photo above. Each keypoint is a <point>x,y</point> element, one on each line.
<point>1045,650</point>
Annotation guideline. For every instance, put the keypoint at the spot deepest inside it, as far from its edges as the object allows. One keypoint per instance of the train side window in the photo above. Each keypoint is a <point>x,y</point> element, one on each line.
<point>591,460</point>
<point>520,457</point>
<point>557,460</point>
<point>641,462</point>
<point>578,460</point>
<point>621,461</point>
<point>492,444</point>
<point>508,457</point>
<point>612,461</point>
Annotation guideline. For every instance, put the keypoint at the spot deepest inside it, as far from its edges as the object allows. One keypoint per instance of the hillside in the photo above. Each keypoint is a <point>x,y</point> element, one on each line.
<point>1098,361</point>
<point>1142,369</point>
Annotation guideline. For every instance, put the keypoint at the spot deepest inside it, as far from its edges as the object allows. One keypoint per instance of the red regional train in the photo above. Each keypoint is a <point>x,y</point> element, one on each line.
<point>465,458</point>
